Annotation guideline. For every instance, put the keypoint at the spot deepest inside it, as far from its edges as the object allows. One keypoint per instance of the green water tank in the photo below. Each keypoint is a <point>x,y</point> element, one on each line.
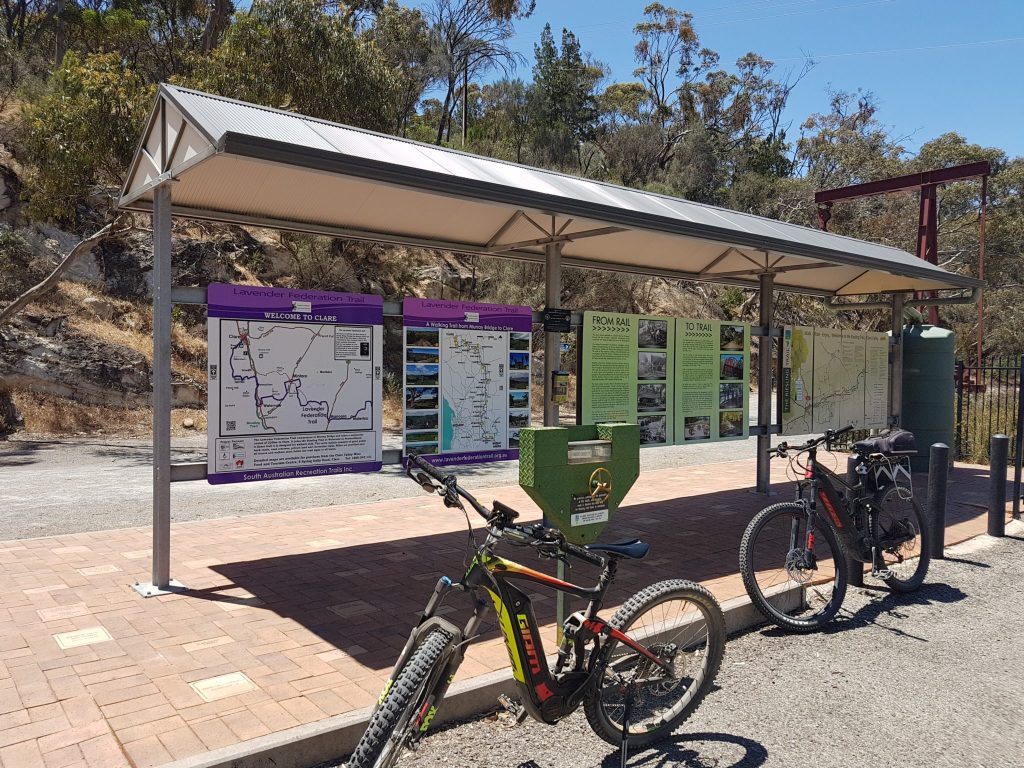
<point>929,360</point>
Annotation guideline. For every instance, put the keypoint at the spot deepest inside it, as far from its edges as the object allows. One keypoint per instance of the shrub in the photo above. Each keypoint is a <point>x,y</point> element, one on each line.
<point>81,131</point>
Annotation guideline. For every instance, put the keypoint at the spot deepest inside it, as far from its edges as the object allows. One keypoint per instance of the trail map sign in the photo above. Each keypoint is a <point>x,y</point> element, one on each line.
<point>712,371</point>
<point>628,372</point>
<point>466,376</point>
<point>294,383</point>
<point>832,378</point>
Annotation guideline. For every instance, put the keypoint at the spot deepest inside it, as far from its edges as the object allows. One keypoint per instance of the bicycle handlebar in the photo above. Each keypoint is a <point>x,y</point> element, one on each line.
<point>783,449</point>
<point>502,515</point>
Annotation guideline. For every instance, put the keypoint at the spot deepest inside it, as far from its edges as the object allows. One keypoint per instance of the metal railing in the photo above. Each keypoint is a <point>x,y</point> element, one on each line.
<point>988,402</point>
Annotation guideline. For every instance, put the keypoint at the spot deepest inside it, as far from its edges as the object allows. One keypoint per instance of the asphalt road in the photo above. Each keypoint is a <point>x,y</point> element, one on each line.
<point>50,487</point>
<point>927,680</point>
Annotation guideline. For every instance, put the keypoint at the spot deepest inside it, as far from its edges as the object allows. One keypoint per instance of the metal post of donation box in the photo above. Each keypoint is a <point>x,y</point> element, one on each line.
<point>578,476</point>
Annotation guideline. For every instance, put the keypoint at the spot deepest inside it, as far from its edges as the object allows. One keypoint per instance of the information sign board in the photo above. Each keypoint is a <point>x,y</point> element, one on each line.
<point>833,378</point>
<point>294,383</point>
<point>711,380</point>
<point>627,372</point>
<point>466,379</point>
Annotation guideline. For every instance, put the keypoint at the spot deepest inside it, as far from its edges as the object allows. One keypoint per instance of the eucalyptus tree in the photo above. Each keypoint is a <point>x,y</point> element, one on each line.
<point>468,40</point>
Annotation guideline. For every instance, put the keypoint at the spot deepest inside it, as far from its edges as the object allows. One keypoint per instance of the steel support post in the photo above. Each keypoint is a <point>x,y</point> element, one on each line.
<point>764,383</point>
<point>854,568</point>
<point>896,361</point>
<point>1018,443</point>
<point>938,477</point>
<point>162,583</point>
<point>552,341</point>
<point>552,363</point>
<point>999,454</point>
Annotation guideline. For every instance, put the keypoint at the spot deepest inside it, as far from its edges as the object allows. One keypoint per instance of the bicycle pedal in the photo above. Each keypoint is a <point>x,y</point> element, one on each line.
<point>883,574</point>
<point>514,708</point>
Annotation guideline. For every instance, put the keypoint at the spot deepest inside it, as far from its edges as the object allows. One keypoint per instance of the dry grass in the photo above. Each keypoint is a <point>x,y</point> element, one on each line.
<point>131,327</point>
<point>58,416</point>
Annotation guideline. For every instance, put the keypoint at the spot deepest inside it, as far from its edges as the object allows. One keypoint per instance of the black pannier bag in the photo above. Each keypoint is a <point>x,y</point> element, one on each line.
<point>897,441</point>
<point>896,445</point>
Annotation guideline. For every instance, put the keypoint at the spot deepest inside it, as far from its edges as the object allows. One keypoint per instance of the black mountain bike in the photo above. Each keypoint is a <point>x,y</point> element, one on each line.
<point>806,542</point>
<point>637,675</point>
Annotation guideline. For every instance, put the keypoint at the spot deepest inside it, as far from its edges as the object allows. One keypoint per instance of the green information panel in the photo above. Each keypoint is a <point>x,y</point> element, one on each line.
<point>579,475</point>
<point>680,380</point>
<point>628,372</point>
<point>711,380</point>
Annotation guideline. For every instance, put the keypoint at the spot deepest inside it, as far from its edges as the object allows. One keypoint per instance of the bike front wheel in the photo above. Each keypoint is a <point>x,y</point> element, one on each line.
<point>681,623</point>
<point>903,540</point>
<point>398,718</point>
<point>777,557</point>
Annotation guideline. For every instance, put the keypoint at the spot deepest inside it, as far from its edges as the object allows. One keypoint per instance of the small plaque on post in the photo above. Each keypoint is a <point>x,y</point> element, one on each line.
<point>557,320</point>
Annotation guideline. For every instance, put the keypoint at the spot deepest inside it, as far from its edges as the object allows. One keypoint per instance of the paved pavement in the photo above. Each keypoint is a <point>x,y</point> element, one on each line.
<point>927,680</point>
<point>292,617</point>
<point>53,487</point>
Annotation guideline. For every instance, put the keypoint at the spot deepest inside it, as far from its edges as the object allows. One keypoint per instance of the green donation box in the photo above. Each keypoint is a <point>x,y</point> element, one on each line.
<point>578,476</point>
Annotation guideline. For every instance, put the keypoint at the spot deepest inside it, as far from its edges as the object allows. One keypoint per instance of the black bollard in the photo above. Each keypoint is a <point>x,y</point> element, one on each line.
<point>999,452</point>
<point>938,476</point>
<point>854,568</point>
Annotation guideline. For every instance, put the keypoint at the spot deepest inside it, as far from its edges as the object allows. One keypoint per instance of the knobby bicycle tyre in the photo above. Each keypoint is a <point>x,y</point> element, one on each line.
<point>385,736</point>
<point>892,506</point>
<point>672,701</point>
<point>818,616</point>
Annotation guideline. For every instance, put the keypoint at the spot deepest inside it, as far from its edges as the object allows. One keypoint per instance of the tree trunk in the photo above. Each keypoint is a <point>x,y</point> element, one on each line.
<point>117,227</point>
<point>216,23</point>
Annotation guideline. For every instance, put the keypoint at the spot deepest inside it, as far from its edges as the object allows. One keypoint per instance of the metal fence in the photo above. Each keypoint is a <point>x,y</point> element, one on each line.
<point>988,402</point>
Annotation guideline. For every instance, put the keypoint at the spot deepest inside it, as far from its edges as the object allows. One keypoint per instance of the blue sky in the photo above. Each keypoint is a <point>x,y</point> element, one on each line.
<point>935,65</point>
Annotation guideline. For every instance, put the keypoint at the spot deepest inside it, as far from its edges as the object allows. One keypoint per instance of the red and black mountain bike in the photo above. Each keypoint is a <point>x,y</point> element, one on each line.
<point>637,675</point>
<point>806,543</point>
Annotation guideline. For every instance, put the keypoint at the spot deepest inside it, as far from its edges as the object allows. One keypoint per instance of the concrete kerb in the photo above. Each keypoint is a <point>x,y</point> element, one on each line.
<point>332,737</point>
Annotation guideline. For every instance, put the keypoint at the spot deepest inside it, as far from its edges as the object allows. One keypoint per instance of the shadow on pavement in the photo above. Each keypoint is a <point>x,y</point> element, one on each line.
<point>885,603</point>
<point>364,598</point>
<point>21,453</point>
<point>696,750</point>
<point>963,561</point>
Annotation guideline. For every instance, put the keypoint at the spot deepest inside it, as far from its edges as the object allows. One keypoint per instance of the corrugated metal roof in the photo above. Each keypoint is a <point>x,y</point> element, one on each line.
<point>274,167</point>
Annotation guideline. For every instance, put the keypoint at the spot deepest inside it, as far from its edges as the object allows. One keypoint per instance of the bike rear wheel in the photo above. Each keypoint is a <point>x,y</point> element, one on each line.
<point>904,540</point>
<point>774,559</point>
<point>680,622</point>
<point>398,717</point>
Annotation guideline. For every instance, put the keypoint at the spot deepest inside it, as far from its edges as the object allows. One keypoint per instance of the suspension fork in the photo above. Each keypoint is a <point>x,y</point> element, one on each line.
<point>428,620</point>
<point>439,687</point>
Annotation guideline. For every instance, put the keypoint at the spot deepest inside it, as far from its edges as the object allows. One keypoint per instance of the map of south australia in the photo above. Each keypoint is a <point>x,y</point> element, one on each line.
<point>286,378</point>
<point>474,390</point>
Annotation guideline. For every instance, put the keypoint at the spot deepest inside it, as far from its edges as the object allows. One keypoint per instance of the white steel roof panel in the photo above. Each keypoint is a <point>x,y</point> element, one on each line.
<point>347,178</point>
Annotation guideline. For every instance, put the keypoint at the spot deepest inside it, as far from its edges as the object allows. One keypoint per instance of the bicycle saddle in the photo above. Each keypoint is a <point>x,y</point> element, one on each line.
<point>634,548</point>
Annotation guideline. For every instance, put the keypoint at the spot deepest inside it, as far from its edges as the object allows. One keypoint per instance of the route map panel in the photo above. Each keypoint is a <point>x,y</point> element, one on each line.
<point>832,378</point>
<point>466,379</point>
<point>294,383</point>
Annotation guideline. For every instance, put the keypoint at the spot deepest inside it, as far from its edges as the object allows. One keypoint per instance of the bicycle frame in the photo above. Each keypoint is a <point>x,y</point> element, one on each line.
<point>826,488</point>
<point>547,694</point>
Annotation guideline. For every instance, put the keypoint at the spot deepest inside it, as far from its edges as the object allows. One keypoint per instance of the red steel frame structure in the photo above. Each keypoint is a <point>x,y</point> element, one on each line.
<point>928,229</point>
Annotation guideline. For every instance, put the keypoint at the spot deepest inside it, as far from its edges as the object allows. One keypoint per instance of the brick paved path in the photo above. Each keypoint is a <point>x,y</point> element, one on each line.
<point>295,616</point>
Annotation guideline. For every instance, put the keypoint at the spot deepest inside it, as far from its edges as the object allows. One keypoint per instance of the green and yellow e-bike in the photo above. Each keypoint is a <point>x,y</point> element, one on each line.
<point>638,675</point>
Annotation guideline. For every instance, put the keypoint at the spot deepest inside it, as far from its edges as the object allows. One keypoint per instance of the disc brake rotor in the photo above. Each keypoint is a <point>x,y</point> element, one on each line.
<point>796,566</point>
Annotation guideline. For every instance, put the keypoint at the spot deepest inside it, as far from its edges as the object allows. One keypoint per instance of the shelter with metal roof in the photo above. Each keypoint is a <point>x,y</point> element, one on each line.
<point>208,157</point>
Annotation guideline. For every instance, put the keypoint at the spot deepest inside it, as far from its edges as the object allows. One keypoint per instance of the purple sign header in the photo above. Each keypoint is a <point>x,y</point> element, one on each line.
<point>461,315</point>
<point>254,302</point>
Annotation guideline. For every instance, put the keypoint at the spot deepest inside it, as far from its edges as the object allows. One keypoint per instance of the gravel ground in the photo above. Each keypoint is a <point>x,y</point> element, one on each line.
<point>930,679</point>
<point>58,486</point>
